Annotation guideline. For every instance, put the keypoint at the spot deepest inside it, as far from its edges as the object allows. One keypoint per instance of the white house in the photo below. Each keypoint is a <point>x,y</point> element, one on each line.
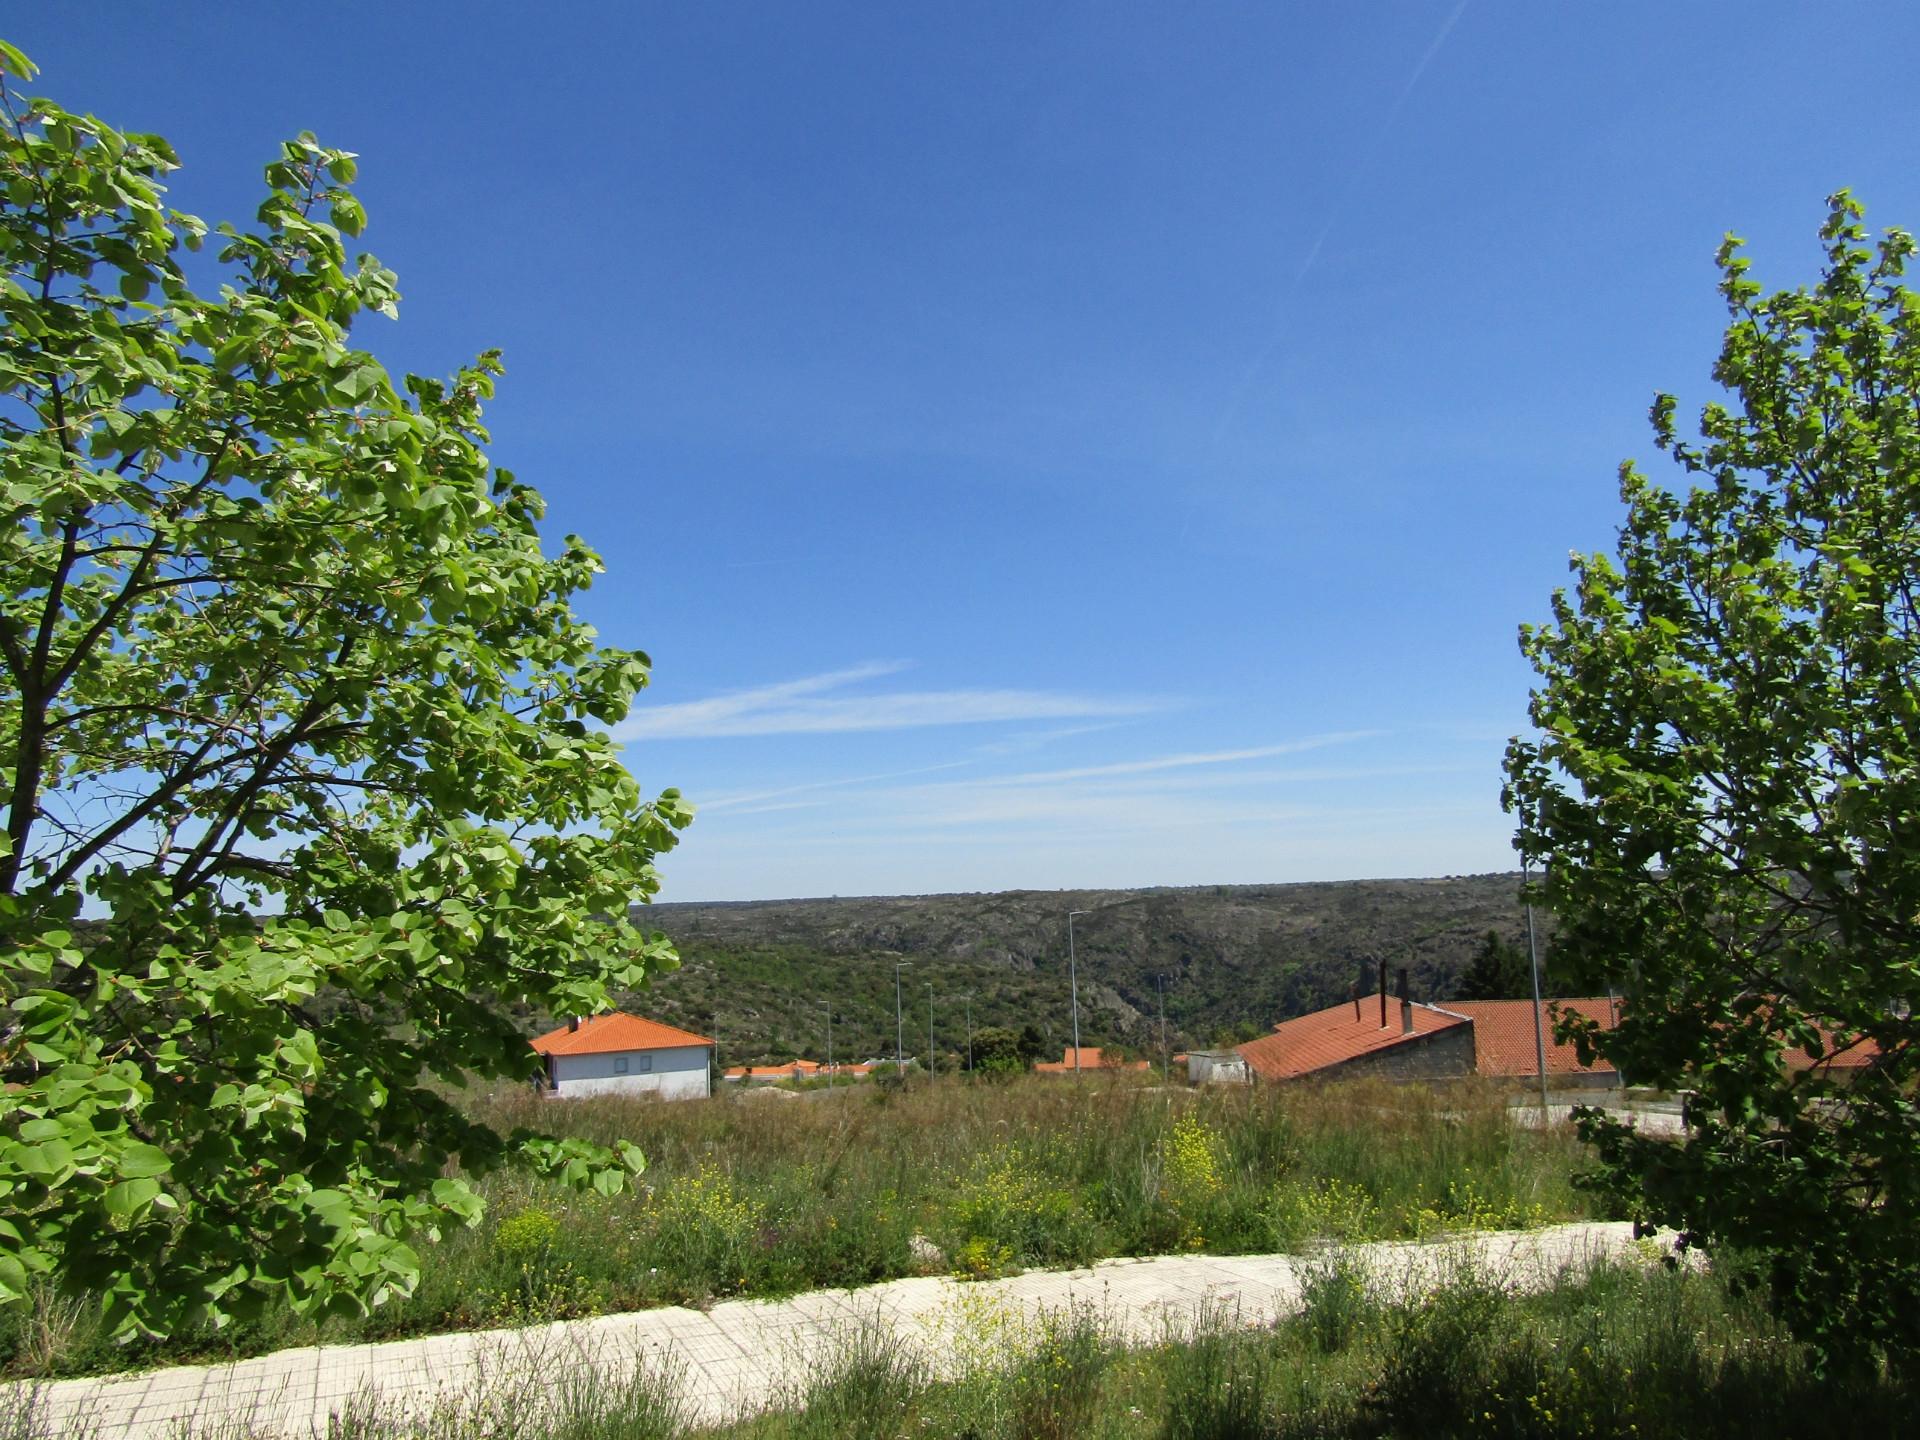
<point>621,1054</point>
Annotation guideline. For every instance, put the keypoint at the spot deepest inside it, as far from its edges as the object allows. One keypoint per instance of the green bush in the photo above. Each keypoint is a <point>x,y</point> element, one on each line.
<point>705,1230</point>
<point>1007,1202</point>
<point>1338,1302</point>
<point>1319,1210</point>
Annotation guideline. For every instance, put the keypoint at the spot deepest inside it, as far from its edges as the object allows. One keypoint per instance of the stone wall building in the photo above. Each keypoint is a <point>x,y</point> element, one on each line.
<point>1395,1039</point>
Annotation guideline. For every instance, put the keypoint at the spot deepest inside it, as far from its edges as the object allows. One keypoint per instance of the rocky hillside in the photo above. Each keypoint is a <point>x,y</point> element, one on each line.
<point>761,976</point>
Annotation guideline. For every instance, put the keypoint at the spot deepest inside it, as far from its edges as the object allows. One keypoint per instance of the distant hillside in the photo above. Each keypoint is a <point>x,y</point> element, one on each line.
<point>1236,958</point>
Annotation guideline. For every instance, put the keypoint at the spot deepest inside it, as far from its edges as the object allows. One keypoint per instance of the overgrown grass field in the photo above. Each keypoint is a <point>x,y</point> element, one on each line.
<point>1622,1352</point>
<point>763,1194</point>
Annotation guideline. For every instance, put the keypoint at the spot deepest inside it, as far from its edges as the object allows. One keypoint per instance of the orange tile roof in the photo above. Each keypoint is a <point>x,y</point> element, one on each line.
<point>1089,1060</point>
<point>619,1031</point>
<point>794,1070</point>
<point>1857,1056</point>
<point>1331,1037</point>
<point>1503,1035</point>
<point>1503,1039</point>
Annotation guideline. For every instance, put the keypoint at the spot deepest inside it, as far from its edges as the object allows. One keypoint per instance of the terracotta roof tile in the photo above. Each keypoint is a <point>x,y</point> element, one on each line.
<point>1503,1035</point>
<point>795,1070</point>
<point>618,1031</point>
<point>1330,1037</point>
<point>1857,1056</point>
<point>1503,1039</point>
<point>1089,1060</point>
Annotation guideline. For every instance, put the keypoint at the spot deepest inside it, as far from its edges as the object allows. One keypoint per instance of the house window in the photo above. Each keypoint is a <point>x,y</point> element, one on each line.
<point>646,1064</point>
<point>619,1064</point>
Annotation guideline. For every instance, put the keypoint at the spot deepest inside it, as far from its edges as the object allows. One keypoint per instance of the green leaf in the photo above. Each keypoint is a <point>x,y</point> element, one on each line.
<point>16,64</point>
<point>13,1279</point>
<point>140,1160</point>
<point>130,1198</point>
<point>49,1159</point>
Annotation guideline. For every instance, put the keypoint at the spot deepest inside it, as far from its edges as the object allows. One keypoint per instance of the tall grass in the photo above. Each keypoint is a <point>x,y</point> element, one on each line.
<point>762,1195</point>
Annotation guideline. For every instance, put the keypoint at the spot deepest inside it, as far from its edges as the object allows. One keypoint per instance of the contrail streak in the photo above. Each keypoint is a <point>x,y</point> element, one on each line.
<point>1352,183</point>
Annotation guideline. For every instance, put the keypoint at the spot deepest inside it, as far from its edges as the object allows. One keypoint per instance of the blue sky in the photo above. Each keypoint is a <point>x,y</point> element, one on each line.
<point>1055,445</point>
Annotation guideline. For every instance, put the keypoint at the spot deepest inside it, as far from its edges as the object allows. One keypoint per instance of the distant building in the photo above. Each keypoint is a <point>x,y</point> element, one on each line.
<point>796,1070</point>
<point>1844,1063</point>
<point>768,1074</point>
<point>1217,1067</point>
<point>1090,1058</point>
<point>621,1054</point>
<point>1397,1040</point>
<point>1498,1039</point>
<point>1505,1045</point>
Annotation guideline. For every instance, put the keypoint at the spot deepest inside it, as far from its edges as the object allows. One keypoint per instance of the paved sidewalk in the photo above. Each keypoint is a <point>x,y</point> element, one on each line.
<point>1648,1119</point>
<point>742,1354</point>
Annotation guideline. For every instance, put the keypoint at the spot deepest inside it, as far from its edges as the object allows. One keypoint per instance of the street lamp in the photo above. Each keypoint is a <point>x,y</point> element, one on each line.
<point>969,1032</point>
<point>899,1034</point>
<point>929,1029</point>
<point>1166,1062</point>
<point>1073,981</point>
<point>829,1010</point>
<point>1533,956</point>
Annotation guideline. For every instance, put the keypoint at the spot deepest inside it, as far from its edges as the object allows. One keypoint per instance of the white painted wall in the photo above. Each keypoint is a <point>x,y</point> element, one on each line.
<point>679,1073</point>
<point>1217,1067</point>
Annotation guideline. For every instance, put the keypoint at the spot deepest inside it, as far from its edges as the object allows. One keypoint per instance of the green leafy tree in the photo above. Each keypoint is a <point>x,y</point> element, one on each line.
<point>297,721</point>
<point>1035,1046</point>
<point>1724,789</point>
<point>1498,970</point>
<point>996,1049</point>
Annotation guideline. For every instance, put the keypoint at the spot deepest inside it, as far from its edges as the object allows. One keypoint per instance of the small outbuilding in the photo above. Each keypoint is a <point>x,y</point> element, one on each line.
<point>1217,1067</point>
<point>621,1054</point>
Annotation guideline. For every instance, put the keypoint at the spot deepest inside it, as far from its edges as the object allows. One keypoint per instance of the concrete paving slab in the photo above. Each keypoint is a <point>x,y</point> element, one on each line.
<point>745,1355</point>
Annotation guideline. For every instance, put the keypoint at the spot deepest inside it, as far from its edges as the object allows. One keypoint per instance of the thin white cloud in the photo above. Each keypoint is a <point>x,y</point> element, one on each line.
<point>1215,788</point>
<point>1209,798</point>
<point>1183,761</point>
<point>1032,740</point>
<point>729,802</point>
<point>798,707</point>
<point>1335,212</point>
<point>776,807</point>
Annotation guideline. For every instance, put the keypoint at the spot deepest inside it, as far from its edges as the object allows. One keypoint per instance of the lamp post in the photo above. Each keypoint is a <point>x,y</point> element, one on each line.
<point>929,1029</point>
<point>1533,958</point>
<point>1073,982</point>
<point>829,1010</point>
<point>1166,1061</point>
<point>899,1033</point>
<point>969,1032</point>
